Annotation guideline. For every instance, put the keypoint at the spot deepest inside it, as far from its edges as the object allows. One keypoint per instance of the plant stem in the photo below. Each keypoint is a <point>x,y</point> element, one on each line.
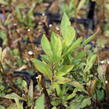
<point>1,67</point>
<point>46,93</point>
<point>52,69</point>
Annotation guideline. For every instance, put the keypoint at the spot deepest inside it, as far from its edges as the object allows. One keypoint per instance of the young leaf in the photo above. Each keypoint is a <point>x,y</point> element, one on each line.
<point>62,80</point>
<point>58,89</point>
<point>46,46</point>
<point>56,45</point>
<point>47,58</point>
<point>64,23</point>
<point>69,36</point>
<point>75,45</point>
<point>40,102</point>
<point>80,5</point>
<point>80,55</point>
<point>42,67</point>
<point>67,31</point>
<point>64,70</point>
<point>89,39</point>
<point>90,62</point>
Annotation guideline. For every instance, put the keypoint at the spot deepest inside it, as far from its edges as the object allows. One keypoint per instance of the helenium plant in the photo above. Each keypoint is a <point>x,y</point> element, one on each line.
<point>58,62</point>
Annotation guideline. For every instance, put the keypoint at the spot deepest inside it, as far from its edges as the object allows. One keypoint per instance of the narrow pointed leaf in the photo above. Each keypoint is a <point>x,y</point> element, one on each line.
<point>64,70</point>
<point>13,96</point>
<point>74,46</point>
<point>46,45</point>
<point>62,80</point>
<point>42,67</point>
<point>56,45</point>
<point>90,62</point>
<point>79,86</point>
<point>67,31</point>
<point>89,39</point>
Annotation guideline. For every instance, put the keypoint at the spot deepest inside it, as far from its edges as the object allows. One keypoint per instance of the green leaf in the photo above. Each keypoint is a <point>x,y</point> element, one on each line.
<point>42,67</point>
<point>58,89</point>
<point>30,91</point>
<point>74,46</point>
<point>64,23</point>
<point>64,70</point>
<point>78,86</point>
<point>90,62</point>
<point>2,107</point>
<point>19,105</point>
<point>85,102</point>
<point>39,104</point>
<point>102,73</point>
<point>3,2</point>
<point>30,17</point>
<point>67,31</point>
<point>56,45</point>
<point>3,35</point>
<point>89,39</point>
<point>62,80</point>
<point>100,95</point>
<point>8,19</point>
<point>54,108</point>
<point>78,58</point>
<point>107,6</point>
<point>47,58</point>
<point>16,98</point>
<point>19,15</point>
<point>12,106</point>
<point>80,55</point>
<point>80,5</point>
<point>13,96</point>
<point>46,46</point>
<point>70,96</point>
<point>80,103</point>
<point>69,36</point>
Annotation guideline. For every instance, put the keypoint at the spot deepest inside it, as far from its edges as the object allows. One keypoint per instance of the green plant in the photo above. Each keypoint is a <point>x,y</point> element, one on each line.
<point>19,100</point>
<point>73,7</point>
<point>26,19</point>
<point>40,102</point>
<point>59,61</point>
<point>10,56</point>
<point>69,8</point>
